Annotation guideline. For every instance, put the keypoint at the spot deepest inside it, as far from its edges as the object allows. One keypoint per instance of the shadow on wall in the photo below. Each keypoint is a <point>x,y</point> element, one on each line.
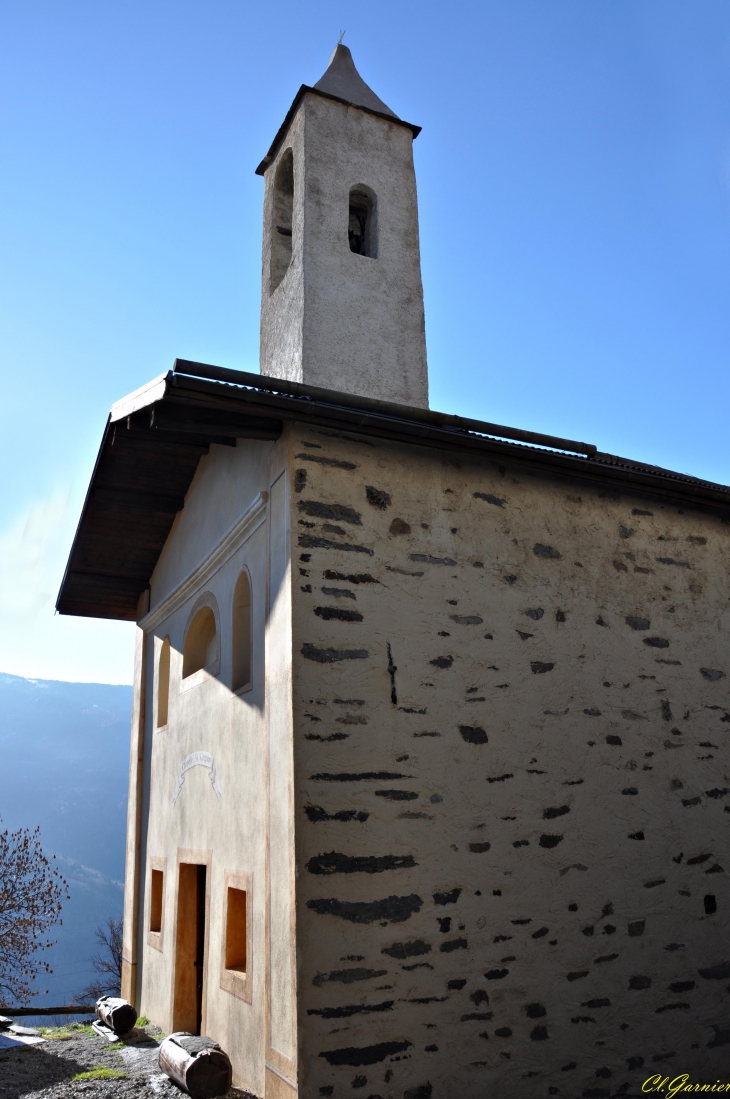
<point>202,649</point>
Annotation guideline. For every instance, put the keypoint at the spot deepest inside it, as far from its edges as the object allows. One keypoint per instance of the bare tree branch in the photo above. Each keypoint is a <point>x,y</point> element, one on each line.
<point>107,963</point>
<point>31,895</point>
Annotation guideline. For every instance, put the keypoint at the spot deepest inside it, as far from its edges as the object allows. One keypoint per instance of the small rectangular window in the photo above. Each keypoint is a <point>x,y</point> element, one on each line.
<point>237,945</point>
<point>156,889</point>
<point>236,930</point>
<point>155,918</point>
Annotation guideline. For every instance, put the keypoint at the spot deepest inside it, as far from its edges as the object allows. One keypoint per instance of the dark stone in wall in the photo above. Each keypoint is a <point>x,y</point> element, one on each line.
<point>356,578</point>
<point>716,972</point>
<point>551,814</point>
<point>389,909</point>
<point>496,500</point>
<point>326,461</point>
<point>341,614</point>
<point>331,656</point>
<point>547,552</point>
<point>539,1034</point>
<point>496,974</point>
<point>550,841</point>
<point>423,1091</point>
<point>336,593</point>
<point>711,674</point>
<point>336,863</point>
<point>316,813</point>
<point>656,642</point>
<point>453,944</point>
<point>359,776</point>
<point>428,560</point>
<point>538,667</point>
<point>300,479</point>
<point>637,623</point>
<point>377,498</point>
<point>350,1009</point>
<point>396,795</point>
<point>722,1037</point>
<point>399,526</point>
<point>340,512</point>
<point>347,976</point>
<point>442,661</point>
<point>478,848</point>
<point>365,1055</point>
<point>638,984</point>
<point>410,949</point>
<point>311,541</point>
<point>472,734</point>
<point>637,928</point>
<point>447,898</point>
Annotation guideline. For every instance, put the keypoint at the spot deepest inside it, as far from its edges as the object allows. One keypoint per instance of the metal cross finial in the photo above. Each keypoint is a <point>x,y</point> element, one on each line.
<point>339,40</point>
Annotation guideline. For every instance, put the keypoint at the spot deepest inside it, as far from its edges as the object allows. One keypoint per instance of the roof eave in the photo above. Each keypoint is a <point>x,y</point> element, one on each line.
<point>282,131</point>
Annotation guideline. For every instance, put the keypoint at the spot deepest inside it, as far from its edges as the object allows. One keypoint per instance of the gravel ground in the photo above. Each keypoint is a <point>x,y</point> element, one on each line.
<point>46,1071</point>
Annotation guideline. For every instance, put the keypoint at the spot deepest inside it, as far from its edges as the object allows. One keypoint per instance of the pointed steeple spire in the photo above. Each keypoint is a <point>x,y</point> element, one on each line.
<point>344,81</point>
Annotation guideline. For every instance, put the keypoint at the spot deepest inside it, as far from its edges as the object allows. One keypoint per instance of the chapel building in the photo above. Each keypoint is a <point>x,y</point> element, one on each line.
<point>429,778</point>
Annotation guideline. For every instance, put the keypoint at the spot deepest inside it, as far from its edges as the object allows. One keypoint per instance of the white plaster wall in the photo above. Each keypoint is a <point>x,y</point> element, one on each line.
<point>474,916</point>
<point>339,320</point>
<point>225,482</point>
<point>209,717</point>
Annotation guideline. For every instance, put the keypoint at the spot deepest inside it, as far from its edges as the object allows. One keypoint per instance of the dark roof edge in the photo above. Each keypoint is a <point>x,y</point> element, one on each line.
<point>382,408</point>
<point>281,132</point>
<point>89,493</point>
<point>439,428</point>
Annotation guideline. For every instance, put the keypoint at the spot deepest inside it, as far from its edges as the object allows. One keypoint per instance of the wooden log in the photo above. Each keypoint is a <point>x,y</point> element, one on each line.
<point>115,1013</point>
<point>197,1064</point>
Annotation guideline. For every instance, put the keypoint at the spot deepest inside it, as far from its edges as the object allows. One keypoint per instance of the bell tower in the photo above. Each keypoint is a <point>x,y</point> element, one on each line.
<point>341,295</point>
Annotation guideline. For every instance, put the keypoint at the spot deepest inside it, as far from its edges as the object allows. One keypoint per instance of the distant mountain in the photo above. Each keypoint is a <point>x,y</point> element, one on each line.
<point>64,749</point>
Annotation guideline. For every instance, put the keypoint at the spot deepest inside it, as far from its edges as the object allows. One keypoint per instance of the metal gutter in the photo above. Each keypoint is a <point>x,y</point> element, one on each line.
<point>389,409</point>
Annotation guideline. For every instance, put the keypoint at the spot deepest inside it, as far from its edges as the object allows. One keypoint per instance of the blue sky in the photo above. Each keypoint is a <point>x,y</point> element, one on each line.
<point>574,188</point>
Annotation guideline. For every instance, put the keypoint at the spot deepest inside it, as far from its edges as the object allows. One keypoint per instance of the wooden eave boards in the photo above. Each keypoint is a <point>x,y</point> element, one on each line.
<point>155,438</point>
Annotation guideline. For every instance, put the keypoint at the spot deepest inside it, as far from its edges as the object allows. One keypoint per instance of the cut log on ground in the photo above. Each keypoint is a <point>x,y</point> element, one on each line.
<point>197,1064</point>
<point>115,1013</point>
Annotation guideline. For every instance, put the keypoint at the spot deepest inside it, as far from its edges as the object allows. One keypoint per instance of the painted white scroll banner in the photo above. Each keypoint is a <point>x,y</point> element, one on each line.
<point>197,759</point>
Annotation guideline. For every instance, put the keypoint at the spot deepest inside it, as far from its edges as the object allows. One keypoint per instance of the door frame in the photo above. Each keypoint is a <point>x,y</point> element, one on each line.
<point>198,858</point>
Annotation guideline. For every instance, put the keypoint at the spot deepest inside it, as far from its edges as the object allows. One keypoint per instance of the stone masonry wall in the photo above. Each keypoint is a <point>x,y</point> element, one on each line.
<point>512,781</point>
